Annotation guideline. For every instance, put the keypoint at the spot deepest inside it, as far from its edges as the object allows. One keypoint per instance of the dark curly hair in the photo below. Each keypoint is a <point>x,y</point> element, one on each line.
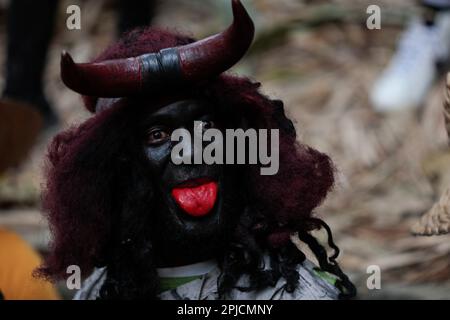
<point>97,202</point>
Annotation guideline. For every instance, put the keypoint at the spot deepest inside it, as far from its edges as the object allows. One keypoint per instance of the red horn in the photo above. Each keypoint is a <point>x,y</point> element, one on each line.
<point>111,78</point>
<point>218,53</point>
<point>196,61</point>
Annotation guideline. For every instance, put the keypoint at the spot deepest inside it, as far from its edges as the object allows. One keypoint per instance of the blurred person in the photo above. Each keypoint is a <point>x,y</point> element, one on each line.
<point>24,108</point>
<point>423,48</point>
<point>17,263</point>
<point>436,221</point>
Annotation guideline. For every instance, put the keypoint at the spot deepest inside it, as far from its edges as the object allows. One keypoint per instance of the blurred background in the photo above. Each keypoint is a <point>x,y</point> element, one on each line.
<point>341,83</point>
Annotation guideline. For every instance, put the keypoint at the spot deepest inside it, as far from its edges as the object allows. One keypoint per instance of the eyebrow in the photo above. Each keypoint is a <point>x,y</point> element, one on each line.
<point>168,118</point>
<point>159,118</point>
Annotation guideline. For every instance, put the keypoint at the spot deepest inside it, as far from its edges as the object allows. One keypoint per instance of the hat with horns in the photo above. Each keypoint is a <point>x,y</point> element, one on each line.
<point>147,73</point>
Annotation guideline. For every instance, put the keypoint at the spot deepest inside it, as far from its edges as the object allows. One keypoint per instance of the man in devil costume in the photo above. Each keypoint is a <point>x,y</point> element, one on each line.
<point>143,227</point>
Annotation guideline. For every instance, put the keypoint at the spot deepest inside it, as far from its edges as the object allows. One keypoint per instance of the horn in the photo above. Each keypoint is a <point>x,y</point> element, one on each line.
<point>196,61</point>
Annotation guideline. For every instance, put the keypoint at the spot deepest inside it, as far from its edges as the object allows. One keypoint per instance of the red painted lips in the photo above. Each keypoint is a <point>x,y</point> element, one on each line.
<point>197,197</point>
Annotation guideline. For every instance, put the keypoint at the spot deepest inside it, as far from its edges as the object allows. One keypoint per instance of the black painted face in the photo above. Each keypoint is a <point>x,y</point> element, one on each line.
<point>180,237</point>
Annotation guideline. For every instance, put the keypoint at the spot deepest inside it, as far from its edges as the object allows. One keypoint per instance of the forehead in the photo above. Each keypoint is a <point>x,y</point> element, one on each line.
<point>178,112</point>
<point>183,108</point>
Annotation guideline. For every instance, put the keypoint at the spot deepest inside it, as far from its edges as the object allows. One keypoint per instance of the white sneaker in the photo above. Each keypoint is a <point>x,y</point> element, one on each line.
<point>412,70</point>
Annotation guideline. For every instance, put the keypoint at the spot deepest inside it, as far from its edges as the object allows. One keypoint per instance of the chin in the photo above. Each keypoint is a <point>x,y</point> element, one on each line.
<point>197,236</point>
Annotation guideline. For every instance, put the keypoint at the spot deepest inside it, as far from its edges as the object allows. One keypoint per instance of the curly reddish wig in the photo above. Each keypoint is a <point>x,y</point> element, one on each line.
<point>84,162</point>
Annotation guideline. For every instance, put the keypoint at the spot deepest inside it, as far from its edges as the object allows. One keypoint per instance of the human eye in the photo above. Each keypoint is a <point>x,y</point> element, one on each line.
<point>157,135</point>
